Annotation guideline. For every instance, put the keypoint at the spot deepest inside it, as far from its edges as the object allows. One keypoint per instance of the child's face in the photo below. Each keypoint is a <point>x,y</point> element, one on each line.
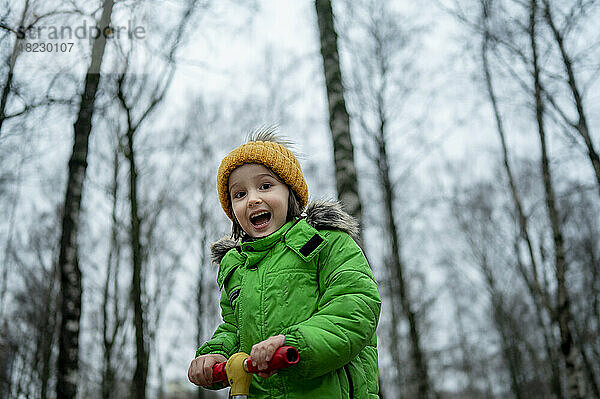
<point>259,199</point>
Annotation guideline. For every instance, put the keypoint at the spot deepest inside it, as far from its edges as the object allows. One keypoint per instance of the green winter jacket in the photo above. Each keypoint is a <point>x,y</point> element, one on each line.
<point>310,282</point>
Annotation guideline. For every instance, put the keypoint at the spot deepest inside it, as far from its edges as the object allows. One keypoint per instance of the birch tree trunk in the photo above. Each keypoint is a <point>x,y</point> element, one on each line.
<point>48,337</point>
<point>339,120</point>
<point>140,376</point>
<point>70,274</point>
<point>575,382</point>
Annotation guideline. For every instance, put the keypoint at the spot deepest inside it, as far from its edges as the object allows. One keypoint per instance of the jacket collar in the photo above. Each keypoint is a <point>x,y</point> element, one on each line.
<point>319,214</point>
<point>265,243</point>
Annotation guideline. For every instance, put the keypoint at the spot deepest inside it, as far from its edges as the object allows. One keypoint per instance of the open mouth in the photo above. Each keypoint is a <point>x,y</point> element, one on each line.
<point>261,219</point>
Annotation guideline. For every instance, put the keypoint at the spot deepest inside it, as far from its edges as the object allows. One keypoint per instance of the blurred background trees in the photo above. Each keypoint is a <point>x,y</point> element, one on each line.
<point>472,128</point>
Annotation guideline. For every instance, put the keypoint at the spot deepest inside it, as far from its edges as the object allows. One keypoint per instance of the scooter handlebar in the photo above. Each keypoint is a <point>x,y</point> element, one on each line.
<point>283,357</point>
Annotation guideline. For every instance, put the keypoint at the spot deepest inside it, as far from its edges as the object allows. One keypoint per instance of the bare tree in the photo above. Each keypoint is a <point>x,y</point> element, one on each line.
<point>471,362</point>
<point>12,214</point>
<point>339,120</point>
<point>381,94</point>
<point>113,317</point>
<point>538,294</point>
<point>202,225</point>
<point>485,238</point>
<point>6,89</point>
<point>582,232</point>
<point>31,336</point>
<point>397,268</point>
<point>130,88</point>
<point>29,19</point>
<point>575,382</point>
<point>70,274</point>
<point>532,54</point>
<point>7,350</point>
<point>560,35</point>
<point>203,262</point>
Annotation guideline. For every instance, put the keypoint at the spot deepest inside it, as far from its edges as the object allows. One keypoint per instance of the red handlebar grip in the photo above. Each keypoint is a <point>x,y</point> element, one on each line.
<point>219,374</point>
<point>284,356</point>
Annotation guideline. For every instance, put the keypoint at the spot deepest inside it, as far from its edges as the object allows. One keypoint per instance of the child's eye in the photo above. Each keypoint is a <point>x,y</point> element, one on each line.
<point>265,186</point>
<point>239,194</point>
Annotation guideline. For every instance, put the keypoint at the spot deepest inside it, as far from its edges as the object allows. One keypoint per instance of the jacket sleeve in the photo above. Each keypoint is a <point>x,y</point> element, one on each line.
<point>347,312</point>
<point>225,340</point>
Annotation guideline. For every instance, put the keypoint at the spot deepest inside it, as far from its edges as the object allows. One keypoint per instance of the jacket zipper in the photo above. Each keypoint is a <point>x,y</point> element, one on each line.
<point>350,384</point>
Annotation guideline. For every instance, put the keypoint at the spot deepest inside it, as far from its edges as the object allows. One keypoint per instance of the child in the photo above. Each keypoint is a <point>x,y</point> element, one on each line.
<point>295,279</point>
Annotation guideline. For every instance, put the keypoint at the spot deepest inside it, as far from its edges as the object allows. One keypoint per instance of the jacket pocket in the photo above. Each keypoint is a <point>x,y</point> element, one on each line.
<point>350,382</point>
<point>357,379</point>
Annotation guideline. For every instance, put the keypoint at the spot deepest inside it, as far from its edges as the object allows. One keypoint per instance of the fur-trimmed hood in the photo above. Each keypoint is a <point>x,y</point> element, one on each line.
<point>319,214</point>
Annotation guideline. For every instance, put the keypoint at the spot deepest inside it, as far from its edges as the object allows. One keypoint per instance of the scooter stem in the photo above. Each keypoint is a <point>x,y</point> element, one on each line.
<point>237,376</point>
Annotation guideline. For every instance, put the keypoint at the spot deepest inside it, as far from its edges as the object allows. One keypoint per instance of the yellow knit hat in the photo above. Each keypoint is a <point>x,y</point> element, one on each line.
<point>270,154</point>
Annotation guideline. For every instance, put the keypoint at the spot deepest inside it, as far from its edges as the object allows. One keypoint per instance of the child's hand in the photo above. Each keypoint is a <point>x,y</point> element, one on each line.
<point>200,371</point>
<point>262,353</point>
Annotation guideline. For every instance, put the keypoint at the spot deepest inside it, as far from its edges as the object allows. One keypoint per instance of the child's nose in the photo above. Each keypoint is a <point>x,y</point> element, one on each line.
<point>253,199</point>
